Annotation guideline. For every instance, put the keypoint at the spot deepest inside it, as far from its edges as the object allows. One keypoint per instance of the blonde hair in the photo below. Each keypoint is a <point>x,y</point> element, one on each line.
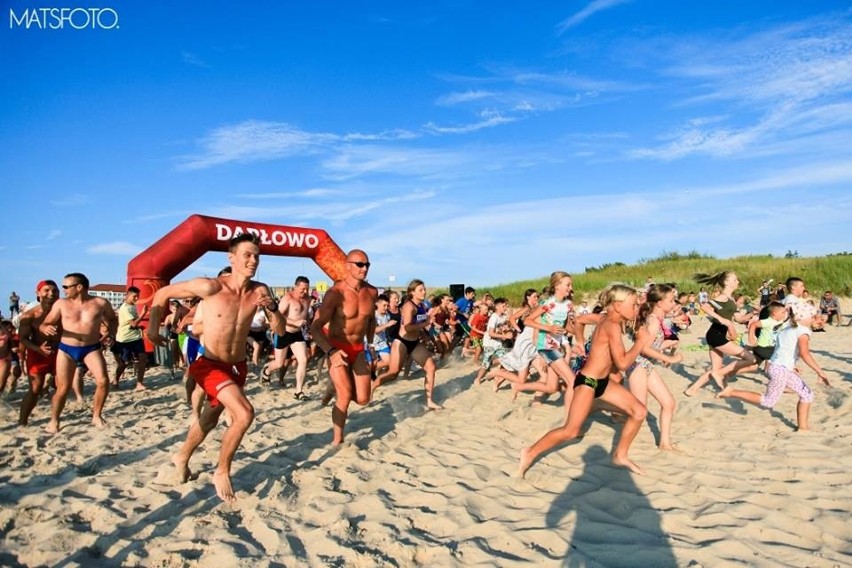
<point>555,278</point>
<point>616,292</point>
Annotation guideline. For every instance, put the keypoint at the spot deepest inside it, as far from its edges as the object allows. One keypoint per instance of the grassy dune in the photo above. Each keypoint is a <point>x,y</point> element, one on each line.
<point>833,272</point>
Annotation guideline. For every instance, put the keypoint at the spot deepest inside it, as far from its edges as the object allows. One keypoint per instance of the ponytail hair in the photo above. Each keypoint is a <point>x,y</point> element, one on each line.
<point>716,280</point>
<point>656,293</point>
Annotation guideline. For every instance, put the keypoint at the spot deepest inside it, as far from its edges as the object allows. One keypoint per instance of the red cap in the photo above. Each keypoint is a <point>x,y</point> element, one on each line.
<point>40,285</point>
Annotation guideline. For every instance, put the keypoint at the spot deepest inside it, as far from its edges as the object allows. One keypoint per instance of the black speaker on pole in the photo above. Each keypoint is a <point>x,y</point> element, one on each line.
<point>456,291</point>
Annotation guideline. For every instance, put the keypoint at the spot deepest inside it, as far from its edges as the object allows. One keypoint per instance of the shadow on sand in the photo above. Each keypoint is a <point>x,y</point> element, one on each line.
<point>615,524</point>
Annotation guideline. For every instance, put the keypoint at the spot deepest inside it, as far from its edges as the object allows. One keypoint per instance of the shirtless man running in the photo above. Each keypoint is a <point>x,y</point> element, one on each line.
<point>41,350</point>
<point>77,320</point>
<point>349,309</point>
<point>294,308</point>
<point>230,302</point>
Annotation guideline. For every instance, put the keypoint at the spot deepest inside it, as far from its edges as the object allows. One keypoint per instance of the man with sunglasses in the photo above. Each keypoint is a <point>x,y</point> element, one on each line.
<point>349,309</point>
<point>79,320</point>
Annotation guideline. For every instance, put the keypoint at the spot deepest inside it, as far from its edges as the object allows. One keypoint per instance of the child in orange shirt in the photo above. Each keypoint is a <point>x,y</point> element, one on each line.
<point>478,325</point>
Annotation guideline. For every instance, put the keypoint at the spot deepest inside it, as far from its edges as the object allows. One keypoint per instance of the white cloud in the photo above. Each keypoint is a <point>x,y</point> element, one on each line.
<point>359,205</point>
<point>489,120</point>
<point>355,161</point>
<point>115,248</point>
<point>464,97</point>
<point>193,59</point>
<point>796,62</point>
<point>314,193</point>
<point>252,141</point>
<point>55,233</point>
<point>255,140</point>
<point>591,8</point>
<point>530,238</point>
<point>394,134</point>
<point>784,88</point>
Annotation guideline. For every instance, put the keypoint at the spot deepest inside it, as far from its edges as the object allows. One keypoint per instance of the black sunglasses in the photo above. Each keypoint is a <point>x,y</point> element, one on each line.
<point>359,264</point>
<point>66,286</point>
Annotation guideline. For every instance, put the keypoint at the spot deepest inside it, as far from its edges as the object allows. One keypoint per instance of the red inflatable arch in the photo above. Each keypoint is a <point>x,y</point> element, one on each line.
<point>154,267</point>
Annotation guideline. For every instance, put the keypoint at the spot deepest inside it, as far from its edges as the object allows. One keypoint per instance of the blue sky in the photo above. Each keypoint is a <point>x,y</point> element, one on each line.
<point>475,142</point>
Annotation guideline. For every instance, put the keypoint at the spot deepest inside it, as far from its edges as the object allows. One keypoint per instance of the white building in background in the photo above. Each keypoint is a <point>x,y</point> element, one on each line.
<point>112,293</point>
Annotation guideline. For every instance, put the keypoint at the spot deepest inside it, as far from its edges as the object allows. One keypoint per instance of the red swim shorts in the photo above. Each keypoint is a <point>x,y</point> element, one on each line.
<point>40,364</point>
<point>351,350</point>
<point>213,376</point>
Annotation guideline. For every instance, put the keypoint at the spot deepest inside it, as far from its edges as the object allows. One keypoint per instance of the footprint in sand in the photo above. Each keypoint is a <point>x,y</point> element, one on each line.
<point>482,472</point>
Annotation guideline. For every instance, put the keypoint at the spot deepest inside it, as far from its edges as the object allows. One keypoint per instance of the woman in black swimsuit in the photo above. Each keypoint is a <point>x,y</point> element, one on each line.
<point>722,335</point>
<point>415,320</point>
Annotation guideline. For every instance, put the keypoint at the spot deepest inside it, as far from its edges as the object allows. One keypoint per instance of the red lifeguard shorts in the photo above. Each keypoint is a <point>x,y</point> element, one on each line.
<point>40,364</point>
<point>351,350</point>
<point>213,376</point>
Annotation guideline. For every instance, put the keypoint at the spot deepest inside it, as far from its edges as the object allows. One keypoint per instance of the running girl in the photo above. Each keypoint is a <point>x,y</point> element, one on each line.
<point>643,377</point>
<point>722,336</point>
<point>550,320</point>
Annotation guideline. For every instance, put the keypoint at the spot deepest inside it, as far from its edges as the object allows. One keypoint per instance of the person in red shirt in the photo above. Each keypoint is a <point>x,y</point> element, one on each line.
<point>478,325</point>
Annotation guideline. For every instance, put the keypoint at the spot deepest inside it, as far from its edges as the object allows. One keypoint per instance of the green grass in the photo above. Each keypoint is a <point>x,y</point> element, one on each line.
<point>833,272</point>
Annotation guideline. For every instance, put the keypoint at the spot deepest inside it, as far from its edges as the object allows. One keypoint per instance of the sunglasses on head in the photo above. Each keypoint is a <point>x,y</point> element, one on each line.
<point>360,264</point>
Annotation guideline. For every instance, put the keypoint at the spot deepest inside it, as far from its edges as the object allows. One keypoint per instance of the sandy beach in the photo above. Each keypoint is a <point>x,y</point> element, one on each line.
<point>412,488</point>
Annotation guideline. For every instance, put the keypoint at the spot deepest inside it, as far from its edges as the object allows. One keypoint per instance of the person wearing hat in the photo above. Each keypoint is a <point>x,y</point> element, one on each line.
<point>40,349</point>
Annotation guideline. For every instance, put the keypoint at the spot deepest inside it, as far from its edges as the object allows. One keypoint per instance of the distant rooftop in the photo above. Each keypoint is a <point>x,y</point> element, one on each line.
<point>120,288</point>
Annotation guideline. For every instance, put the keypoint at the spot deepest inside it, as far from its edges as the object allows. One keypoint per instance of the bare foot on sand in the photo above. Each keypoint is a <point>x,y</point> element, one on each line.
<point>725,392</point>
<point>52,427</point>
<point>140,387</point>
<point>693,389</point>
<point>432,405</point>
<point>182,474</point>
<point>525,462</point>
<point>222,482</point>
<point>99,422</point>
<point>669,447</point>
<point>627,463</point>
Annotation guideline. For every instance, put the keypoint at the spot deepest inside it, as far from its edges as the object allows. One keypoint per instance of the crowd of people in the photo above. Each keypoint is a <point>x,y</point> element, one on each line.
<point>222,330</point>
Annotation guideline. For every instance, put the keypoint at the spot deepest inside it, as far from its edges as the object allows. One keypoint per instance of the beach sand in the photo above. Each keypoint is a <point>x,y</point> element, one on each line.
<point>411,487</point>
